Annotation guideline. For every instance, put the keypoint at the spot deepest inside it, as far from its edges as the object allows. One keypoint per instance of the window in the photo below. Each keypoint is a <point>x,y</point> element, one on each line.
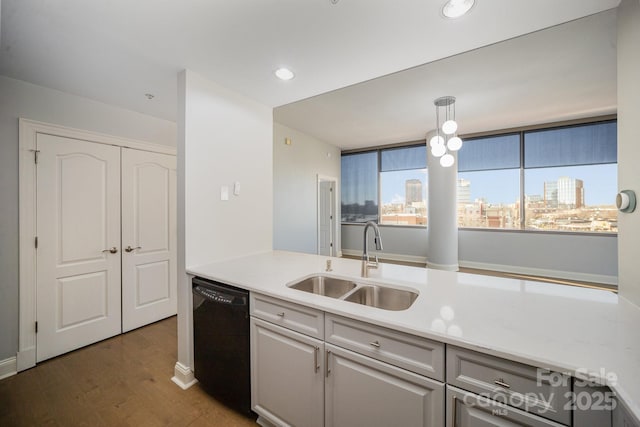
<point>402,175</point>
<point>403,185</point>
<point>359,187</point>
<point>557,179</point>
<point>489,182</point>
<point>569,177</point>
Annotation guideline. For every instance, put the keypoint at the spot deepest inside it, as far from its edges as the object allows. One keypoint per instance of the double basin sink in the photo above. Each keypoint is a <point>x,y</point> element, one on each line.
<point>366,294</point>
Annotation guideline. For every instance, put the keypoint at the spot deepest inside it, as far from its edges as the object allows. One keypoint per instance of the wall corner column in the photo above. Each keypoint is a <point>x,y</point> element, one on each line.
<point>442,227</point>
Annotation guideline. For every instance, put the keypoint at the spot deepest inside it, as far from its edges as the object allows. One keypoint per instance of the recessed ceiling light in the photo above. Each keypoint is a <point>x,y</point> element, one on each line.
<point>284,74</point>
<point>456,8</point>
<point>149,95</point>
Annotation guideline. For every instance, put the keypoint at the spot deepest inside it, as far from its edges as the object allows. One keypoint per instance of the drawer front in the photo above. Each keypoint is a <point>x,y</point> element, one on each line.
<point>289,315</point>
<point>419,355</point>
<point>468,409</point>
<point>512,383</point>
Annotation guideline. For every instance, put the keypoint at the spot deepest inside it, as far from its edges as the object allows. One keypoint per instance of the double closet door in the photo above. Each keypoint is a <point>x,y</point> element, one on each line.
<point>106,245</point>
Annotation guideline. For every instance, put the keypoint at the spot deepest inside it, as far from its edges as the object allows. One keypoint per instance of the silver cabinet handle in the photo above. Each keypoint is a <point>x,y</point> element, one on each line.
<point>500,382</point>
<point>316,367</point>
<point>112,250</point>
<point>281,314</point>
<point>375,343</point>
<point>326,362</point>
<point>455,411</point>
<point>130,249</point>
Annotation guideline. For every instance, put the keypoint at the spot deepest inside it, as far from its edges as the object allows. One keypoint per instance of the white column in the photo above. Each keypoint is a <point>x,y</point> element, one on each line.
<point>442,227</point>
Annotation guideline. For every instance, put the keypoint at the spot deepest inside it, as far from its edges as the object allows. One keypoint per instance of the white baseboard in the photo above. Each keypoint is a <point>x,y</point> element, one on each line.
<point>389,256</point>
<point>557,274</point>
<point>445,267</point>
<point>183,376</point>
<point>8,367</point>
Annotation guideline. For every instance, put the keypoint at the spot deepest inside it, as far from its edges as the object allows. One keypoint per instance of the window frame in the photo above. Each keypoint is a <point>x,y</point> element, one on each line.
<point>521,131</point>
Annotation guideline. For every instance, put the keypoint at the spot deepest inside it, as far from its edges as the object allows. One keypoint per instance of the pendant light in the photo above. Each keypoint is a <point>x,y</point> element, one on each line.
<point>446,140</point>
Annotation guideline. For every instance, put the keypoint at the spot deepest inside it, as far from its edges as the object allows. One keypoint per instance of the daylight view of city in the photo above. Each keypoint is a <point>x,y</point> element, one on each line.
<point>560,205</point>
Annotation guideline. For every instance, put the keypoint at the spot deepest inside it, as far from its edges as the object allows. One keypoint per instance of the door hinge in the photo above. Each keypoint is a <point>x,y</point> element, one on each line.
<point>35,155</point>
<point>36,241</point>
<point>36,327</point>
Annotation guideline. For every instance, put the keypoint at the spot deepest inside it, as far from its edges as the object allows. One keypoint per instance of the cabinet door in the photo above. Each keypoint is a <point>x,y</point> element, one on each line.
<point>287,382</point>
<point>470,410</point>
<point>360,391</point>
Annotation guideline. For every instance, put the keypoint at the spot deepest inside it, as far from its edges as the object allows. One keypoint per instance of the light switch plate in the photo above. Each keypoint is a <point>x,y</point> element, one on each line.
<point>224,192</point>
<point>236,188</point>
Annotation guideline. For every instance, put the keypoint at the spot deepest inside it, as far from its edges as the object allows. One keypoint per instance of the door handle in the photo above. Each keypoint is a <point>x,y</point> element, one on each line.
<point>130,249</point>
<point>113,250</point>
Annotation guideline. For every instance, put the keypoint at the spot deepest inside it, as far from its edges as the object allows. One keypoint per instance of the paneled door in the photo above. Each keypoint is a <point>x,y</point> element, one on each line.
<point>149,279</point>
<point>78,246</point>
<point>326,213</point>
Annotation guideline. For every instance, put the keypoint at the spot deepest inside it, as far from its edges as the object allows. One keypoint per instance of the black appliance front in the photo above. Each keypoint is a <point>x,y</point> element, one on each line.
<point>221,342</point>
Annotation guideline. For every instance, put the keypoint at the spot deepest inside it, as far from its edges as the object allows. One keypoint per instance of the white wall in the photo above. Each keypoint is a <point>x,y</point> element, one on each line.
<point>629,144</point>
<point>19,99</point>
<point>579,257</point>
<point>223,138</point>
<point>295,170</point>
<point>228,138</point>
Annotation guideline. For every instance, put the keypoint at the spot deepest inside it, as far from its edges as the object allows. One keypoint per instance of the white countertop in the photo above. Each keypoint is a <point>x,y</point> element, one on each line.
<point>587,333</point>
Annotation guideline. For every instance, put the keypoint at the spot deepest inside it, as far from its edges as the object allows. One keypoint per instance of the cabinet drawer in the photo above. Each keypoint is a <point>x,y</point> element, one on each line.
<point>510,382</point>
<point>289,315</point>
<point>468,409</point>
<point>419,355</point>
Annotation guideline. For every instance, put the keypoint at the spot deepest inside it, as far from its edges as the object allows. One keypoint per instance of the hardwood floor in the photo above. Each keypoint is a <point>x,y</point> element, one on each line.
<point>122,381</point>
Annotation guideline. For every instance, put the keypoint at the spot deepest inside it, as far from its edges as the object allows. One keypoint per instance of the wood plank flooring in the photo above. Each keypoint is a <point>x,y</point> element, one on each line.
<point>122,381</point>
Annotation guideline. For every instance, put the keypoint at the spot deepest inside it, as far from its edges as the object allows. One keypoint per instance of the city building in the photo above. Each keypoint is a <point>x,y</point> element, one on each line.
<point>551,194</point>
<point>412,191</point>
<point>570,193</point>
<point>464,191</point>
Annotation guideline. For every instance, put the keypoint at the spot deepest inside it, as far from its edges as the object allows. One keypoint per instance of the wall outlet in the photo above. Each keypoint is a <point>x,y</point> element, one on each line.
<point>224,192</point>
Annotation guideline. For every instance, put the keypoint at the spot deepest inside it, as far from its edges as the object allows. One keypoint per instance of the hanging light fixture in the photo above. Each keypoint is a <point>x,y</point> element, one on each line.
<point>446,140</point>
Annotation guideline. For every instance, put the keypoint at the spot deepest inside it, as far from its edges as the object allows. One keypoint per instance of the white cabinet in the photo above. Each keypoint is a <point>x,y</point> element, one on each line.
<point>299,380</point>
<point>523,386</point>
<point>361,391</point>
<point>287,380</point>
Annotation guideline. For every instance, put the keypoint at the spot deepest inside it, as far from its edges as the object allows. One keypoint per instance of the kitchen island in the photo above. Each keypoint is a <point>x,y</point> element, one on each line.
<point>586,333</point>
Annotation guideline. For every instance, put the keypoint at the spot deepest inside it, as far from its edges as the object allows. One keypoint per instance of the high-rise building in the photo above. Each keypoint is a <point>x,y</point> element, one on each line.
<point>551,194</point>
<point>570,192</point>
<point>412,191</point>
<point>464,191</point>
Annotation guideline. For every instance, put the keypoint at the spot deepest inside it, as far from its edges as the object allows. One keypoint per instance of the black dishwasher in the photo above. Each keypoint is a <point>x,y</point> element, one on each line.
<point>221,342</point>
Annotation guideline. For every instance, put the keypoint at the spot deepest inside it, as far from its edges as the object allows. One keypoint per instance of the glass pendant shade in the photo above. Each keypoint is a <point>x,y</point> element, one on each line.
<point>449,127</point>
<point>437,139</point>
<point>447,160</point>
<point>438,150</point>
<point>454,144</point>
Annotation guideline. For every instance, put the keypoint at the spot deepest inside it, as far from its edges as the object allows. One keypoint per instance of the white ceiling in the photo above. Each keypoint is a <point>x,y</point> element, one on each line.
<point>561,73</point>
<point>115,51</point>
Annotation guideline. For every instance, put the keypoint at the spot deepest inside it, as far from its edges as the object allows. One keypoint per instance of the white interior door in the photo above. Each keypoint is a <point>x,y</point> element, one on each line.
<point>78,259</point>
<point>149,277</point>
<point>325,217</point>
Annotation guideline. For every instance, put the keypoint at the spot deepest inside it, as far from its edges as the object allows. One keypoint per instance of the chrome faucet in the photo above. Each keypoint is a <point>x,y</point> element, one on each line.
<point>366,264</point>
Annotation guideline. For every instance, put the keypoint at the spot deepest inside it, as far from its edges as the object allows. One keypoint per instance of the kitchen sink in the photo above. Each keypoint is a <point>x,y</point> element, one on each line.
<point>378,296</point>
<point>383,297</point>
<point>323,285</point>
